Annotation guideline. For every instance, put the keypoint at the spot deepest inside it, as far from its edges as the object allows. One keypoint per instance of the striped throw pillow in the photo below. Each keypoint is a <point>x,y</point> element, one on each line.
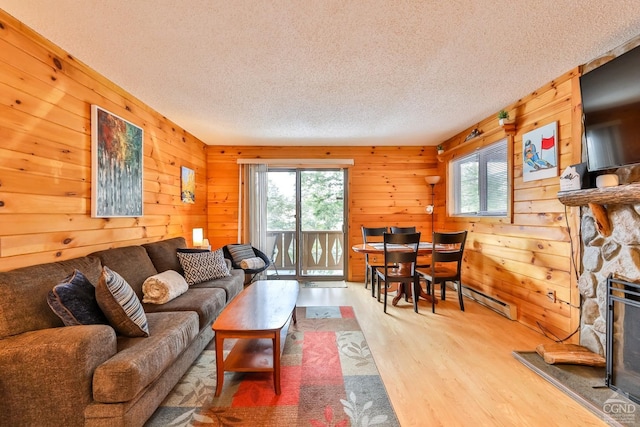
<point>240,252</point>
<point>121,305</point>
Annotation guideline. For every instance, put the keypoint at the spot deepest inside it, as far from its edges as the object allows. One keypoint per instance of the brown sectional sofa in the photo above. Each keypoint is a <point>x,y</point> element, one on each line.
<point>56,375</point>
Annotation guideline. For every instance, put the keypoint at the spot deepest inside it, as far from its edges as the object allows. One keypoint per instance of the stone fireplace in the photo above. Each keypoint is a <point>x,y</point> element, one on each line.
<point>617,254</point>
<point>614,252</point>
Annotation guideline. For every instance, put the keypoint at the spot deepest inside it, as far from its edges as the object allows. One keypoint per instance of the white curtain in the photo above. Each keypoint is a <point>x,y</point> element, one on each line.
<point>256,205</point>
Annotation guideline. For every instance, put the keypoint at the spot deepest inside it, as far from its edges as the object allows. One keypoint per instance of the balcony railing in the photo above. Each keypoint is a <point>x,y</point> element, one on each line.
<point>322,253</point>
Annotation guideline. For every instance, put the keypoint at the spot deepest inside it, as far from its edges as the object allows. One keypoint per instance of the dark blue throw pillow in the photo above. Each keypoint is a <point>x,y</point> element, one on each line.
<point>74,301</point>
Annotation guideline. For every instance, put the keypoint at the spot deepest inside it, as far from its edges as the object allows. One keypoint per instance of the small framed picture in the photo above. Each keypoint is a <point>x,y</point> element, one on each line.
<point>187,185</point>
<point>540,153</point>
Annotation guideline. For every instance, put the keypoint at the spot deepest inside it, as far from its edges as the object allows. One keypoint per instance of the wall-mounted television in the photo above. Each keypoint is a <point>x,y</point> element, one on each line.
<point>611,112</point>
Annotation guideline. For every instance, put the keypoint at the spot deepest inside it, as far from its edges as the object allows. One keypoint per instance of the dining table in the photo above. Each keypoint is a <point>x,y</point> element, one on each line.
<point>377,248</point>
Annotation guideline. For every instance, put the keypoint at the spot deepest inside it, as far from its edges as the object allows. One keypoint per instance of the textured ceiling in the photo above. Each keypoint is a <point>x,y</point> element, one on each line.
<point>329,72</point>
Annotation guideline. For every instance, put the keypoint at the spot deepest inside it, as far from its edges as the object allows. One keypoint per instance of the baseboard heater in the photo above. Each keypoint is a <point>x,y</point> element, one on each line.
<point>507,310</point>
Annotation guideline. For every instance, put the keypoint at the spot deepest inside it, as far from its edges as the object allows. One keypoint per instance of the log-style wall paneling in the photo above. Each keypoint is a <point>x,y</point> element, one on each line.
<point>45,182</point>
<point>385,187</point>
<point>45,157</point>
<point>518,261</point>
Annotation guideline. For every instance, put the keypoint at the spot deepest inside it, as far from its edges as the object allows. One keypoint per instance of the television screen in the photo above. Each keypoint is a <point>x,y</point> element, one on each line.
<point>611,109</point>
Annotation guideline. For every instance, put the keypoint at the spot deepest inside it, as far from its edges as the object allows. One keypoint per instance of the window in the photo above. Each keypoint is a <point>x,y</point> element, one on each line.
<point>480,182</point>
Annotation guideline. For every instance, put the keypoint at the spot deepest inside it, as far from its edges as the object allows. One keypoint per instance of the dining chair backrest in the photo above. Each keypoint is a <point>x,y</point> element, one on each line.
<point>400,230</point>
<point>369,235</point>
<point>375,232</point>
<point>453,250</point>
<point>394,256</point>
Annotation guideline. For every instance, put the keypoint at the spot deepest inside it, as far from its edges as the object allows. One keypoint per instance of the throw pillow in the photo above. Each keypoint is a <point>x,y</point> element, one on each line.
<point>191,250</point>
<point>255,263</point>
<point>121,305</point>
<point>240,252</point>
<point>203,266</point>
<point>74,301</point>
<point>163,287</point>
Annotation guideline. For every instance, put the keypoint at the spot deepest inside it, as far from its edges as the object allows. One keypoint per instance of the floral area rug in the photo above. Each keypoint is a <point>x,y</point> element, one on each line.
<point>328,378</point>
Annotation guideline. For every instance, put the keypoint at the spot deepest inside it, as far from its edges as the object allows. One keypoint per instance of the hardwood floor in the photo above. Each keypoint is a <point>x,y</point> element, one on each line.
<point>454,368</point>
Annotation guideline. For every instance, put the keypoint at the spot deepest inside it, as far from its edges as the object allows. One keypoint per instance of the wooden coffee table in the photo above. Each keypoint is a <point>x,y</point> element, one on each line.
<point>259,317</point>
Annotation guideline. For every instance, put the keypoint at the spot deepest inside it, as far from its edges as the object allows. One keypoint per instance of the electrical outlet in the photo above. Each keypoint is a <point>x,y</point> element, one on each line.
<point>551,294</point>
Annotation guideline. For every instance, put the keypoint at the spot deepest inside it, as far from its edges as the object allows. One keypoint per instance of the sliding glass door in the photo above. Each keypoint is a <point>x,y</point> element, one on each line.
<point>306,213</point>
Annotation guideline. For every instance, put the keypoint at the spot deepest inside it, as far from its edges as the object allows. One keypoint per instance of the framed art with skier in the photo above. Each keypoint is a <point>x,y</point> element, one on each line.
<point>540,153</point>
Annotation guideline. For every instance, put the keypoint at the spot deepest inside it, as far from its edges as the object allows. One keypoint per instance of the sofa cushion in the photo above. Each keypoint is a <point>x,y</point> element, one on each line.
<point>232,285</point>
<point>23,294</point>
<point>207,302</point>
<point>74,301</point>
<point>163,254</point>
<point>131,262</point>
<point>121,305</point>
<point>199,267</point>
<point>163,287</point>
<point>140,361</point>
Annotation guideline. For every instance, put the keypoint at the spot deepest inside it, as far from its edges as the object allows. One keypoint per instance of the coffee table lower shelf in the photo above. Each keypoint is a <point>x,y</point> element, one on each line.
<point>253,354</point>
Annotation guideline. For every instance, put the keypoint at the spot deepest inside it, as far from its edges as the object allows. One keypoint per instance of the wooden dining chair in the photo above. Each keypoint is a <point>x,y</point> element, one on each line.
<point>399,265</point>
<point>397,230</point>
<point>369,235</point>
<point>423,261</point>
<point>446,266</point>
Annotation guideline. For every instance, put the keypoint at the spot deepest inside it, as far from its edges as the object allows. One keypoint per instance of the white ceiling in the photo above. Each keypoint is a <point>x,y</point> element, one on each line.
<point>343,72</point>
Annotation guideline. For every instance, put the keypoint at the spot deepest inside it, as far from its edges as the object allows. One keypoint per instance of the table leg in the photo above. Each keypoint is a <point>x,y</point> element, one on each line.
<point>219,364</point>
<point>276,362</point>
<point>399,293</point>
<point>402,290</point>
<point>426,296</point>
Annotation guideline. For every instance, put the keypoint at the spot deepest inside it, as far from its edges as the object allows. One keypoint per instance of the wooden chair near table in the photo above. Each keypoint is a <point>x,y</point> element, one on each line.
<point>371,235</point>
<point>423,261</point>
<point>399,266</point>
<point>446,266</point>
<point>400,230</point>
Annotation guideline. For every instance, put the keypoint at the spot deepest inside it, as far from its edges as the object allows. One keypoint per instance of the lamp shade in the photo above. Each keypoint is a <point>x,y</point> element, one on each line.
<point>432,180</point>
<point>198,236</point>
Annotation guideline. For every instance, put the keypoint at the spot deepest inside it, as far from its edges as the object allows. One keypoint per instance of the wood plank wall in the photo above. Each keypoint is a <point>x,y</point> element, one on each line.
<point>386,188</point>
<point>45,163</point>
<point>45,179</point>
<point>517,259</point>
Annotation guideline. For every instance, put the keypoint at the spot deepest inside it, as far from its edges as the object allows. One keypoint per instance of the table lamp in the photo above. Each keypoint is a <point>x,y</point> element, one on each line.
<point>198,237</point>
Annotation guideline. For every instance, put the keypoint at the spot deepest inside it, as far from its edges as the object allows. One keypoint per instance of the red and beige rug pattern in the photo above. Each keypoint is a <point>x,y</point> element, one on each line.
<point>328,379</point>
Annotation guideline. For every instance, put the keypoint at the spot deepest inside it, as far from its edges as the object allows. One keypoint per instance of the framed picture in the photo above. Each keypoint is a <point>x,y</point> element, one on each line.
<point>187,185</point>
<point>116,165</point>
<point>540,153</point>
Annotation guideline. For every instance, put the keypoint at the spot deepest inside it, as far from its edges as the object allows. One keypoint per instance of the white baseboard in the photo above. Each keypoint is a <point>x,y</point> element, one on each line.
<point>507,310</point>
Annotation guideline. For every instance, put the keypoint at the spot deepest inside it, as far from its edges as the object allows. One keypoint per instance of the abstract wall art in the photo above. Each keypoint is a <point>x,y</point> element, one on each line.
<point>116,166</point>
